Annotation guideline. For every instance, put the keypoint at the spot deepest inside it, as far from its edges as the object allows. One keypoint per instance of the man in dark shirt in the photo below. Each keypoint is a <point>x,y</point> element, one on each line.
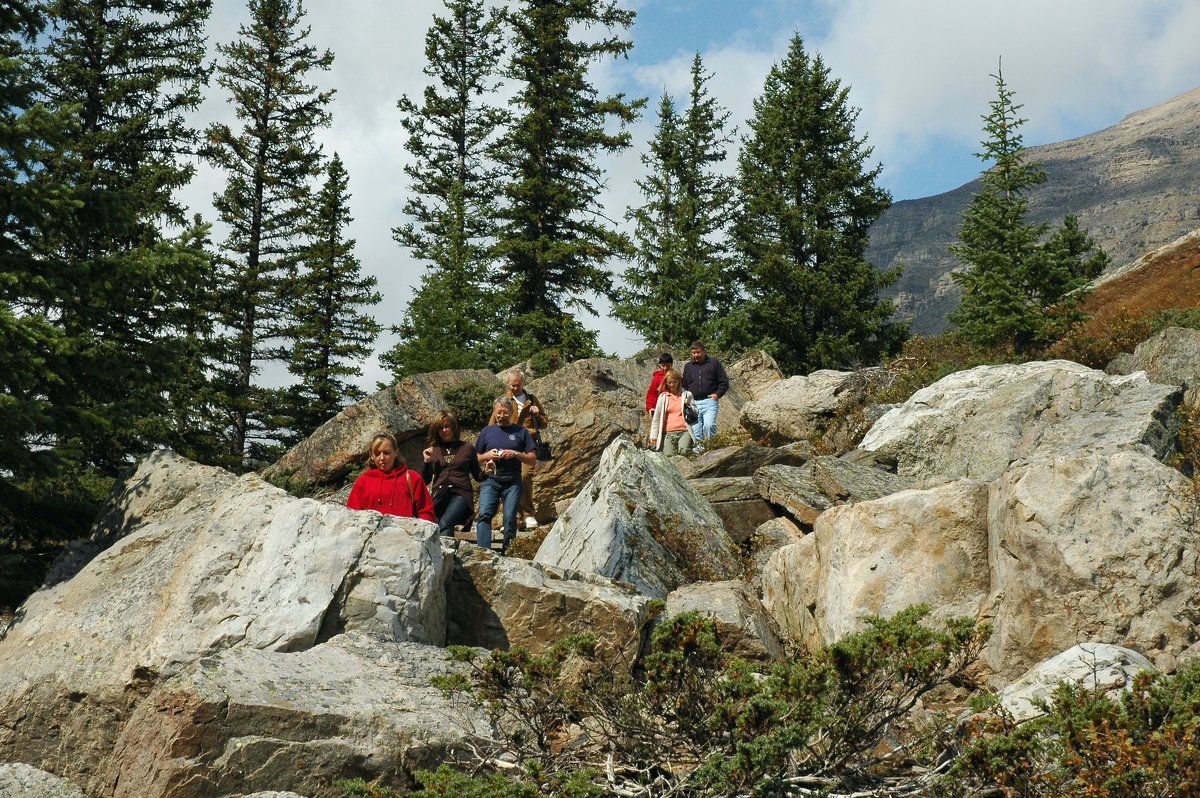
<point>705,378</point>
<point>503,447</point>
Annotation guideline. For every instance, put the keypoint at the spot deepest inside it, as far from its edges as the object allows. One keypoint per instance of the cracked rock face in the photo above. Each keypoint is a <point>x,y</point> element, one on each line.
<point>976,423</point>
<point>208,564</point>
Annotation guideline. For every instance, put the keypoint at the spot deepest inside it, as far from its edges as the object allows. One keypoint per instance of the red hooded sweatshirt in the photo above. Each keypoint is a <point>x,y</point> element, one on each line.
<point>400,491</point>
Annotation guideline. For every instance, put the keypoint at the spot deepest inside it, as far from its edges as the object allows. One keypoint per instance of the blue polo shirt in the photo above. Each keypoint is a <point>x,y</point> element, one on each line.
<point>513,436</point>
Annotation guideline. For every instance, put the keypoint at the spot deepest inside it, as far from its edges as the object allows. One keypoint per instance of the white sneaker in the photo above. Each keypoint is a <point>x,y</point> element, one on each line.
<point>531,522</point>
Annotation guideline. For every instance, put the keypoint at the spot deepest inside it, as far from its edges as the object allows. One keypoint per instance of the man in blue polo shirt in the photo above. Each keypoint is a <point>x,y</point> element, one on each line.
<point>503,447</point>
<point>705,378</point>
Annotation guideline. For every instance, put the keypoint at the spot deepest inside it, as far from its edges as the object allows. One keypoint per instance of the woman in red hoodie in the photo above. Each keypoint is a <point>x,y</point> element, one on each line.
<point>390,486</point>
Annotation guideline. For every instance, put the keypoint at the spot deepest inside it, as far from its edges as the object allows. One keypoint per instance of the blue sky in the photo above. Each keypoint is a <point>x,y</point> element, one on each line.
<point>918,70</point>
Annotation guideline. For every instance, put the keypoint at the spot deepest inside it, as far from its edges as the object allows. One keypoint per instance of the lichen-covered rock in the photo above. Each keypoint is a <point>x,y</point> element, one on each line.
<point>790,580</point>
<point>639,521</point>
<point>742,461</point>
<point>811,407</point>
<point>807,491</point>
<point>1170,357</point>
<point>501,602</point>
<point>18,780</point>
<point>916,546</point>
<point>246,720</point>
<point>742,624</point>
<point>1102,546</point>
<point>976,423</point>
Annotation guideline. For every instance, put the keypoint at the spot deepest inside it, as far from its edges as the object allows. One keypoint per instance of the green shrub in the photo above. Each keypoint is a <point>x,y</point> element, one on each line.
<point>924,360</point>
<point>692,721</point>
<point>1143,744</point>
<point>472,403</point>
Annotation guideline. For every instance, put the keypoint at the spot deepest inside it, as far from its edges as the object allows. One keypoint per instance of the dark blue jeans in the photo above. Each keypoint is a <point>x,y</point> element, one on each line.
<point>453,514</point>
<point>491,492</point>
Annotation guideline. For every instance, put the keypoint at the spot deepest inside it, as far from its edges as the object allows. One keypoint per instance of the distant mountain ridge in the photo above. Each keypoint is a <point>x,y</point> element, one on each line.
<point>1135,187</point>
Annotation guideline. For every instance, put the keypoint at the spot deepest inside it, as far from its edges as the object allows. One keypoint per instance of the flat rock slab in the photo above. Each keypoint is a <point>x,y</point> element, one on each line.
<point>743,626</point>
<point>1092,666</point>
<point>809,490</point>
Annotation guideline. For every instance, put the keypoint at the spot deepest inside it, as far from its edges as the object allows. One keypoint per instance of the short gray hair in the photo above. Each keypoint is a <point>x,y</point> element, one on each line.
<point>516,372</point>
<point>504,400</point>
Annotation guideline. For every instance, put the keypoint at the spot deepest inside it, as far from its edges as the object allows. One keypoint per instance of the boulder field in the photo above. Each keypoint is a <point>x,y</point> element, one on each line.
<point>222,637</point>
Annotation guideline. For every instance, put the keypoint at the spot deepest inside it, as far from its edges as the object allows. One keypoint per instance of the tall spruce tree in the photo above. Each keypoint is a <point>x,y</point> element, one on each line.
<point>331,334</point>
<point>1020,288</point>
<point>270,165</point>
<point>554,237</point>
<point>453,319</point>
<point>808,201</point>
<point>679,289</point>
<point>118,270</point>
<point>32,346</point>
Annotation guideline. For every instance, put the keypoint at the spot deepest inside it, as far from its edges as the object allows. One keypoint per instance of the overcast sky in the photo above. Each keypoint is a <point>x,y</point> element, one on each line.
<point>918,70</point>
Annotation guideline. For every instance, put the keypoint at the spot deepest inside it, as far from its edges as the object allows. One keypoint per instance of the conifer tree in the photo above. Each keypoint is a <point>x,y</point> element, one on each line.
<point>31,346</point>
<point>118,268</point>
<point>679,288</point>
<point>331,333</point>
<point>808,201</point>
<point>270,164</point>
<point>453,319</point>
<point>555,239</point>
<point>1020,289</point>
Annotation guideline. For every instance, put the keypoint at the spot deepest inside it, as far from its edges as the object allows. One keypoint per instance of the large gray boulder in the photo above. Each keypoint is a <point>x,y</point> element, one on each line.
<point>813,407</point>
<point>879,557</point>
<point>1170,357</point>
<point>769,537</point>
<point>806,491</point>
<point>743,626</point>
<point>974,424</point>
<point>637,520</point>
<point>742,461</point>
<point>246,720</point>
<point>1095,545</point>
<point>18,780</point>
<point>406,409</point>
<point>502,602</point>
<point>205,563</point>
<point>1092,666</point>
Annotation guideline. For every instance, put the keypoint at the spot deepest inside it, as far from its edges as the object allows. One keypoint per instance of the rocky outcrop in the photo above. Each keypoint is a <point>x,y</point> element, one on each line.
<point>742,461</point>
<point>975,424</point>
<point>229,582</point>
<point>245,720</point>
<point>25,781</point>
<point>790,580</point>
<point>917,546</point>
<point>501,602</point>
<point>1170,357</point>
<point>405,410</point>
<point>806,491</point>
<point>639,521</point>
<point>1102,546</point>
<point>742,624</point>
<point>814,407</point>
<point>1091,666</point>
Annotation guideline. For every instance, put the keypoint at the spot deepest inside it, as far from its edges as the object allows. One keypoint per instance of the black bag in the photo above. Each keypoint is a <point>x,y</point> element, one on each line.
<point>541,450</point>
<point>690,414</point>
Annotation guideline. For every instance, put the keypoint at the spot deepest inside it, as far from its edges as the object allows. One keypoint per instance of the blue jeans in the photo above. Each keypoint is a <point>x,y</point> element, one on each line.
<point>491,492</point>
<point>706,424</point>
<point>456,511</point>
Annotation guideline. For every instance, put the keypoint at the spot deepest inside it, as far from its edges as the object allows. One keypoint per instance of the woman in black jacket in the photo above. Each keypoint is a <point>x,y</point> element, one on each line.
<point>450,465</point>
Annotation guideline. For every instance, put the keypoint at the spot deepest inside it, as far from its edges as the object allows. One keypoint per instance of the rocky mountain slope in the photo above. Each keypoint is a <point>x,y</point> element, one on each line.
<point>226,638</point>
<point>1133,186</point>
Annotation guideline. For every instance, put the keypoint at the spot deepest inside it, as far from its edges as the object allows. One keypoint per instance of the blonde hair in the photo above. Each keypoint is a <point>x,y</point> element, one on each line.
<point>378,441</point>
